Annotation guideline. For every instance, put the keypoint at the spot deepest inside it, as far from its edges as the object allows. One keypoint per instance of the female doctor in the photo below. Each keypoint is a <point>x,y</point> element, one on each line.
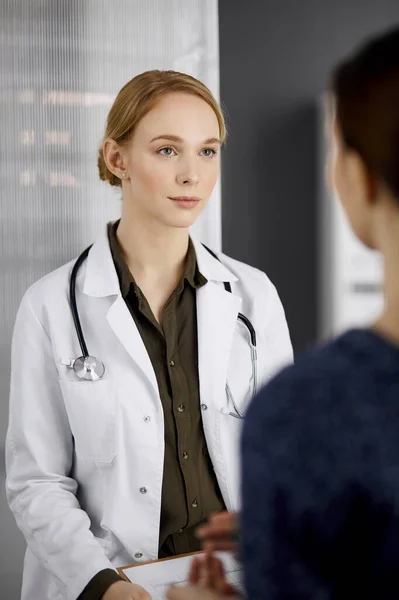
<point>117,459</point>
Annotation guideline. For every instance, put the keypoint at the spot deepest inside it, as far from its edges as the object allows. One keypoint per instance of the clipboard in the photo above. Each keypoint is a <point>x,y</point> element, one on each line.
<point>157,575</point>
<point>121,570</point>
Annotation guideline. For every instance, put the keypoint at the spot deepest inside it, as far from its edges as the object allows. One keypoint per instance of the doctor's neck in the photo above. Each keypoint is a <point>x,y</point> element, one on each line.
<point>152,249</point>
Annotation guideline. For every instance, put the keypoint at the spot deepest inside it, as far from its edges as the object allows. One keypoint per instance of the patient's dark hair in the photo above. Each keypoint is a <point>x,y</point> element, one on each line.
<point>366,92</point>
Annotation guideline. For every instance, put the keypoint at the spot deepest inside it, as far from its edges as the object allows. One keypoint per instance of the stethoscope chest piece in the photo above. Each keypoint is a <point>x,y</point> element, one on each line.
<point>89,368</point>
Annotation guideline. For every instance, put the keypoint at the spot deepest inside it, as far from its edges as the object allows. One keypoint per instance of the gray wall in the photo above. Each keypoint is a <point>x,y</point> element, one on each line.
<point>274,58</point>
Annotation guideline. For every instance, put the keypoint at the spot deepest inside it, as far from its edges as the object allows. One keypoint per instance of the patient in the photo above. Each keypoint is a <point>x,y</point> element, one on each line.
<point>320,448</point>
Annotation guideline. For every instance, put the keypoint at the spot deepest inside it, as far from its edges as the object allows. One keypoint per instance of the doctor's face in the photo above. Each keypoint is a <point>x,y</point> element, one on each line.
<point>172,161</point>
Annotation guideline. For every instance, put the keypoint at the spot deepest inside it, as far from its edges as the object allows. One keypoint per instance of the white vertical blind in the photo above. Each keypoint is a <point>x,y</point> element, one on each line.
<point>61,65</point>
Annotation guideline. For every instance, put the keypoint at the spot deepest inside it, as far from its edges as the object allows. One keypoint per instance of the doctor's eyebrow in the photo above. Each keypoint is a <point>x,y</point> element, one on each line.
<point>176,138</point>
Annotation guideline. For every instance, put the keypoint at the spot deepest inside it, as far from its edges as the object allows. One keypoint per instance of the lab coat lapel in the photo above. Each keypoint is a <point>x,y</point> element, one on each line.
<point>217,312</point>
<point>124,327</point>
<point>101,280</point>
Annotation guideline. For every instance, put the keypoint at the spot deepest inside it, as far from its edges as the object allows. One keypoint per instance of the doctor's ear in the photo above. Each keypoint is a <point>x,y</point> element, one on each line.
<point>113,158</point>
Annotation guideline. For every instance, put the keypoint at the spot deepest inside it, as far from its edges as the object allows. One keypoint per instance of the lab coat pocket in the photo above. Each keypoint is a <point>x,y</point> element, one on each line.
<point>91,408</point>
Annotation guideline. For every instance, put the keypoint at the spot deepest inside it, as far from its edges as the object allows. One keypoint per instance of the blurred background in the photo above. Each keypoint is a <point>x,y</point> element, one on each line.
<point>61,65</point>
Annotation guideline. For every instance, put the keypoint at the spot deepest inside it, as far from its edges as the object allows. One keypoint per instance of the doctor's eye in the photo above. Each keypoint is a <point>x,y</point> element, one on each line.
<point>166,151</point>
<point>209,152</point>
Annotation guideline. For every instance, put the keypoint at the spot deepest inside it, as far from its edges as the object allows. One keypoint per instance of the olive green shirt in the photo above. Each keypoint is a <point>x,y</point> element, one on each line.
<point>190,491</point>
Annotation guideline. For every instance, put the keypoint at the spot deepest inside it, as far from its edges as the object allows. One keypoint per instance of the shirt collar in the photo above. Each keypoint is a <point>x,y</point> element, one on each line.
<point>191,272</point>
<point>100,279</point>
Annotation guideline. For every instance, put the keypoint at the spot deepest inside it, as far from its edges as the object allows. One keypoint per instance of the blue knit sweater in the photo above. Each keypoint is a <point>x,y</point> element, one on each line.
<point>320,448</point>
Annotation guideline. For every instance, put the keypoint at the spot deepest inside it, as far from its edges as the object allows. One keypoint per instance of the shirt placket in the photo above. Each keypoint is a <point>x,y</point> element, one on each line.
<point>181,412</point>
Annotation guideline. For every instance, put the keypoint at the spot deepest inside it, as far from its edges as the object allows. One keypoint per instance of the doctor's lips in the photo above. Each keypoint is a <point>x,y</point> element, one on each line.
<point>185,201</point>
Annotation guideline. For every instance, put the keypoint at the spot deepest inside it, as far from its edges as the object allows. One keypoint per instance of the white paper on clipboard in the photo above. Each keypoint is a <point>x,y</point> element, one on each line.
<point>157,576</point>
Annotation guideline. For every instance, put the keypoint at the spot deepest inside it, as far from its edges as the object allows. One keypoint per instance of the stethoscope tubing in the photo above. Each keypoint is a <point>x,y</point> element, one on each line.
<point>85,353</point>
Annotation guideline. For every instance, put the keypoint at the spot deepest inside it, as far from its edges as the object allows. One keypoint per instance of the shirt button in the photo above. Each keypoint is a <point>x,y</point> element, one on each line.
<point>185,455</point>
<point>204,407</point>
<point>194,504</point>
<point>147,419</point>
<point>171,363</point>
<point>143,490</point>
<point>181,408</point>
<point>138,555</point>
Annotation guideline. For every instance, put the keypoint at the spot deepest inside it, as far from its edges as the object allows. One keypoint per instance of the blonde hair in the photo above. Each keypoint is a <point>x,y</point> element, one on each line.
<point>138,97</point>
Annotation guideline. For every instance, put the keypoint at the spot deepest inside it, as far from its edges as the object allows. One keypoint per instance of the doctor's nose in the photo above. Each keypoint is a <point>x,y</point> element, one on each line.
<point>187,178</point>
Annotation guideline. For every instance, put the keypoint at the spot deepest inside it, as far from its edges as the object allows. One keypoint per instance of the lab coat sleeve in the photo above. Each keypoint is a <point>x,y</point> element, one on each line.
<point>39,454</point>
<point>276,335</point>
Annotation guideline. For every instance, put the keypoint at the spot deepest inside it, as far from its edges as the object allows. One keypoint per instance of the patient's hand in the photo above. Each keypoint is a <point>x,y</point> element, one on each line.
<point>208,572</point>
<point>207,581</point>
<point>219,532</point>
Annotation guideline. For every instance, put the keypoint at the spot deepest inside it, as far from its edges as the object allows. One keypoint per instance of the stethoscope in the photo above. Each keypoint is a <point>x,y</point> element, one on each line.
<point>91,368</point>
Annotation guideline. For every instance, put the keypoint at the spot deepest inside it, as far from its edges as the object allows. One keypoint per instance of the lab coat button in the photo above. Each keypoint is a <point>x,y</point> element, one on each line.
<point>204,407</point>
<point>138,555</point>
<point>143,490</point>
<point>147,419</point>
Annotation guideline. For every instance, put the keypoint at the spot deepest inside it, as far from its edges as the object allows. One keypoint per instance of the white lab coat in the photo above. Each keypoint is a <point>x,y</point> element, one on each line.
<point>85,459</point>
